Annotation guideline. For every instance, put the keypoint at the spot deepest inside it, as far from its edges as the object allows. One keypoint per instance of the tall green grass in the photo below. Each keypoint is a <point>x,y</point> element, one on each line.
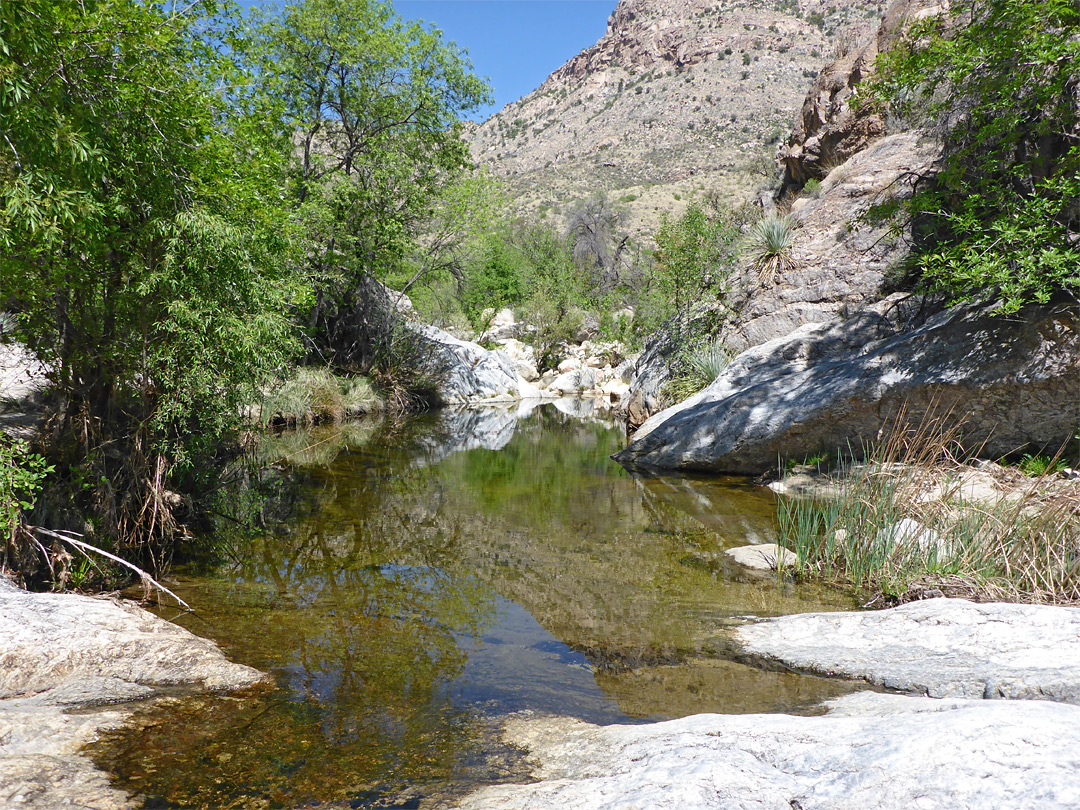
<point>901,525</point>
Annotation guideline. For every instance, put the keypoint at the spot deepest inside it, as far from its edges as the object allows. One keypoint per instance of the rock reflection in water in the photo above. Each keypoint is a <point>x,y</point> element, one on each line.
<point>442,572</point>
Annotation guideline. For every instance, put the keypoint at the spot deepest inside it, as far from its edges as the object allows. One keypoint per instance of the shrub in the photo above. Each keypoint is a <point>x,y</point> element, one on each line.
<point>999,78</point>
<point>316,395</point>
<point>769,245</point>
<point>696,369</point>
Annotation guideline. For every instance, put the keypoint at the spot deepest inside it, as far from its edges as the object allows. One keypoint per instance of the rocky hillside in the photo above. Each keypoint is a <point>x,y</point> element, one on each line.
<point>679,98</point>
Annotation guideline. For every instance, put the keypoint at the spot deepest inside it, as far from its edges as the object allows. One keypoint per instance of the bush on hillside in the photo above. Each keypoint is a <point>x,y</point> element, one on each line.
<point>999,80</point>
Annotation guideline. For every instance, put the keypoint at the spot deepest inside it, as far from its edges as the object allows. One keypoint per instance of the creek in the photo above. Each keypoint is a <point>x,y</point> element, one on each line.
<point>422,580</point>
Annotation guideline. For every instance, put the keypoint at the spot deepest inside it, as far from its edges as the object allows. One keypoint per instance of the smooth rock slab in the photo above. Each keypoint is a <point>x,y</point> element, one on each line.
<point>60,652</point>
<point>48,639</point>
<point>1006,382</point>
<point>937,647</point>
<point>870,751</point>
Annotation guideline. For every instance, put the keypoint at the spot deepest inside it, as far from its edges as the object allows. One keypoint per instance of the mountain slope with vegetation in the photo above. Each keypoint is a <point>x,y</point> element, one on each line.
<point>679,98</point>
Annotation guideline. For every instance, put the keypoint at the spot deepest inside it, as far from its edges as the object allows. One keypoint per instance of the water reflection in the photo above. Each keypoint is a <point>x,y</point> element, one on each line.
<point>436,574</point>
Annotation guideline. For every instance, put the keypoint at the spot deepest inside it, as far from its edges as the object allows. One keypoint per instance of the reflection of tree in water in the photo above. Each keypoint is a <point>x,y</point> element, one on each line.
<point>361,626</point>
<point>393,554</point>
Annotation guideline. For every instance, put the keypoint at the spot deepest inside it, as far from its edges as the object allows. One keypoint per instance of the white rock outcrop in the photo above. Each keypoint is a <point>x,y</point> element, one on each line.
<point>467,372</point>
<point>63,651</point>
<point>886,752</point>
<point>936,647</point>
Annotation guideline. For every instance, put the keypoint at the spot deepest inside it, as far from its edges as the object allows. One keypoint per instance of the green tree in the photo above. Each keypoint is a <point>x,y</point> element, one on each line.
<point>999,78</point>
<point>371,104</point>
<point>142,245</point>
<point>694,254</point>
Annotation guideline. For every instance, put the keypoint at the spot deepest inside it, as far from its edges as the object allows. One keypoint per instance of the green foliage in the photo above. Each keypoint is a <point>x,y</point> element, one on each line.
<point>769,244</point>
<point>144,249</point>
<point>371,104</point>
<point>812,188</point>
<point>21,477</point>
<point>999,78</point>
<point>496,279</point>
<point>555,292</point>
<point>1037,465</point>
<point>694,255</point>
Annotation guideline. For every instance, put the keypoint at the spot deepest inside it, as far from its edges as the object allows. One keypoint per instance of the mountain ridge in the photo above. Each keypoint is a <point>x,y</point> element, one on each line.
<point>678,99</point>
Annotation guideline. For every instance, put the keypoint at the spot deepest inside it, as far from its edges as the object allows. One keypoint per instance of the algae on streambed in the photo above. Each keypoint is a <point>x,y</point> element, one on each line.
<point>437,576</point>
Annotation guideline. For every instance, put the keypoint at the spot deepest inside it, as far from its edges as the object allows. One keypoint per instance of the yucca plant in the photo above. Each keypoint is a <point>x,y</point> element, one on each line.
<point>769,245</point>
<point>697,368</point>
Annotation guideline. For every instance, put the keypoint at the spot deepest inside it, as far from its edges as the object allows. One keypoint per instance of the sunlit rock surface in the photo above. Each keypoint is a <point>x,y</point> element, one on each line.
<point>60,652</point>
<point>870,750</point>
<point>1009,381</point>
<point>937,647</point>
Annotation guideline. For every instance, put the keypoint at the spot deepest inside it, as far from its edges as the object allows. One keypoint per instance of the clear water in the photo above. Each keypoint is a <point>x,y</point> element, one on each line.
<point>424,580</point>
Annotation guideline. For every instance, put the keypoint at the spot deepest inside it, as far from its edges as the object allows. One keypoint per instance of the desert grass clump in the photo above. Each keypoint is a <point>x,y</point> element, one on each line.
<point>316,395</point>
<point>908,520</point>
<point>769,246</point>
<point>696,369</point>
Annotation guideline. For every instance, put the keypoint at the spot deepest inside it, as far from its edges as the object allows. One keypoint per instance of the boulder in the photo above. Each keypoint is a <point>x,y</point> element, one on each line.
<point>573,382</point>
<point>936,647</point>
<point>1010,382</point>
<point>764,557</point>
<point>888,752</point>
<point>467,372</point>
<point>62,652</point>
<point>502,326</point>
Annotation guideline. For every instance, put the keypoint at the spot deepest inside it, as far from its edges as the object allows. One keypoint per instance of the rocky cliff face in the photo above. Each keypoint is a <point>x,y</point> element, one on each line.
<point>837,374</point>
<point>679,98</point>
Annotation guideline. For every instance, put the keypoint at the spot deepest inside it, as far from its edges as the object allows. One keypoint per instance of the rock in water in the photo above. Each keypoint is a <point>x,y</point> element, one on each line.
<point>886,752</point>
<point>1010,382</point>
<point>937,647</point>
<point>78,652</point>
<point>50,639</point>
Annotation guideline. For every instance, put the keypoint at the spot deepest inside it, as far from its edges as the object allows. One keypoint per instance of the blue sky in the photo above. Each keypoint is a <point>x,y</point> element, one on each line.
<point>514,43</point>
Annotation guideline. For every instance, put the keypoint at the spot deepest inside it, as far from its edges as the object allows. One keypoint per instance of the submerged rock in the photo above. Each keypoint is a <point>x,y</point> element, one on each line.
<point>937,647</point>
<point>764,557</point>
<point>871,750</point>
<point>1010,382</point>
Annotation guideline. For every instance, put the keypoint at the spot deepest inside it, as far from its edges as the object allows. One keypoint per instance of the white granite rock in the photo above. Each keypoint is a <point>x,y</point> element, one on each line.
<point>762,557</point>
<point>886,752</point>
<point>936,647</point>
